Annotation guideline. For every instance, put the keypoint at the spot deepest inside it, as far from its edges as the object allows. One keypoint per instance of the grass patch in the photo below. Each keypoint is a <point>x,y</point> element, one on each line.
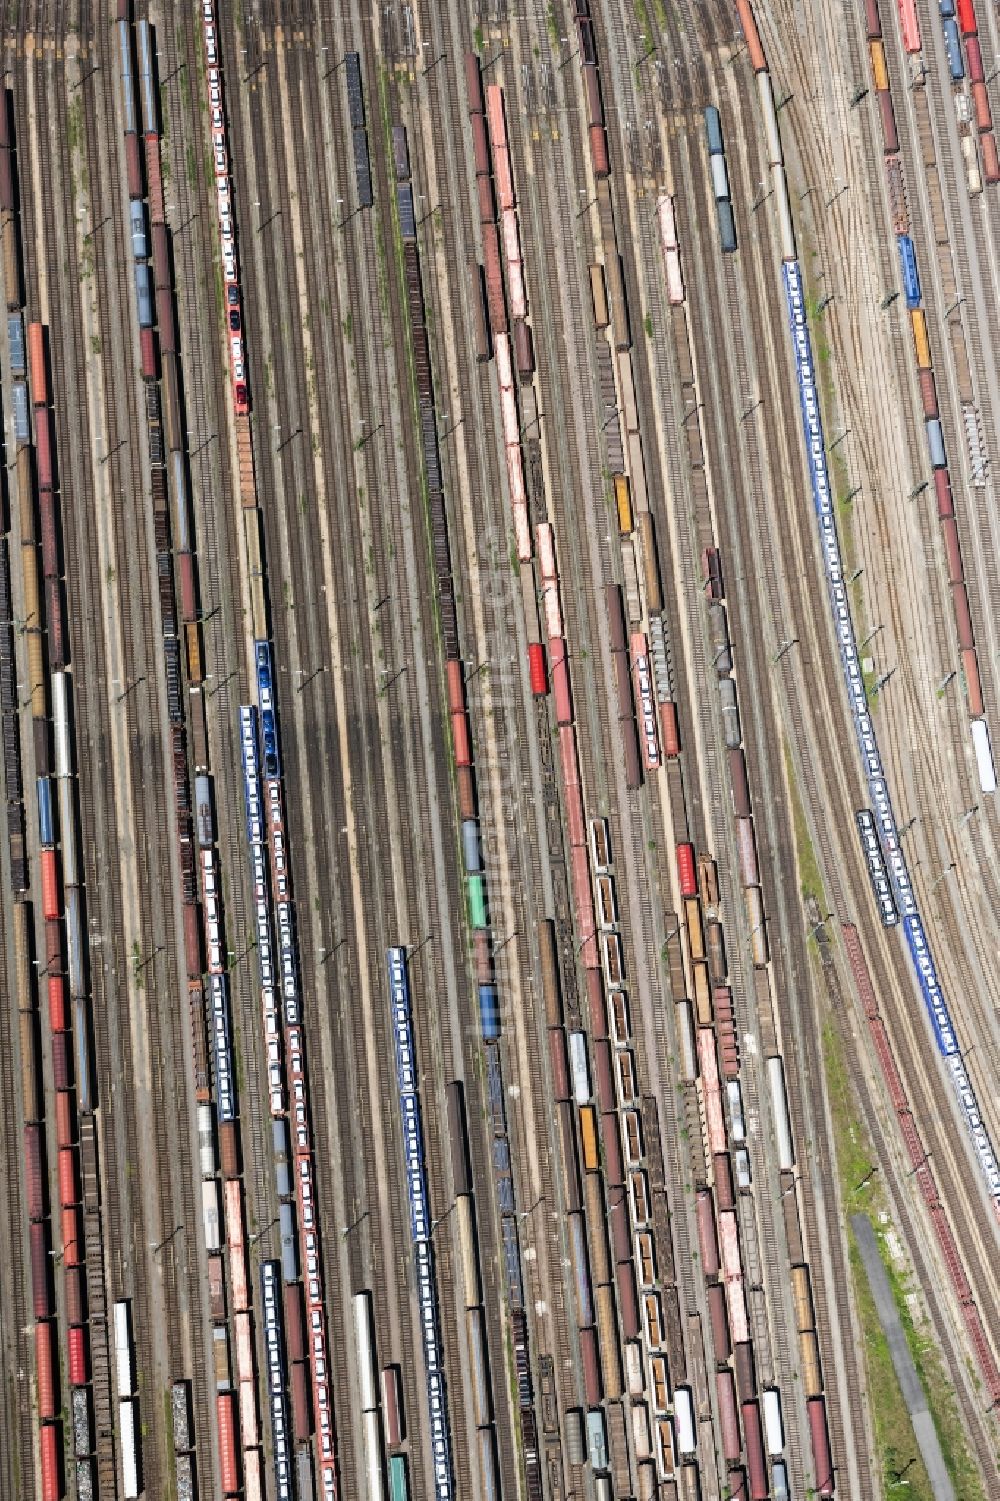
<point>477,39</point>
<point>642,16</point>
<point>810,879</point>
<point>551,22</point>
<point>898,1454</point>
<point>647,324</point>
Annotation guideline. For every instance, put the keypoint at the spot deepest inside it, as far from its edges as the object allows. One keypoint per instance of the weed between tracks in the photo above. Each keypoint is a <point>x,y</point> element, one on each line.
<point>903,1472</point>
<point>809,874</point>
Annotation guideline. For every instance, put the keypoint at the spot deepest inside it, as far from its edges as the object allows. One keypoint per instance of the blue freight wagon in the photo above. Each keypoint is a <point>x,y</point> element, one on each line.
<point>713,129</point>
<point>908,265</point>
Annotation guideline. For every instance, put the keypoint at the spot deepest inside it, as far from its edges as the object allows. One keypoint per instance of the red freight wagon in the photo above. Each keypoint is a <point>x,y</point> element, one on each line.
<point>726,1392</point>
<point>460,734</point>
<point>873,20</point>
<point>72,1247</point>
<point>57,1003</point>
<point>392,1405</point>
<point>911,26</point>
<point>480,146</point>
<point>34,1176</point>
<point>967,24</point>
<point>133,165</point>
<point>51,1469</point>
<point>973,686</point>
<point>707,1238</point>
<point>64,1120</point>
<point>560,680</point>
<point>560,1068</point>
<point>981,105</point>
<point>227,1443</point>
<point>45,1363</point>
<point>43,447</point>
<point>991,160</point>
<point>536,668</point>
<point>67,1177</point>
<point>473,83</point>
<point>669,730</point>
<point>816,1411</point>
<point>975,55</point>
<point>942,487</point>
<point>889,136</point>
<point>77,1362</point>
<point>37,370</point>
<point>755,1451</point>
<point>147,353</point>
<point>686,870</point>
<point>591,1368</point>
<point>40,1283</point>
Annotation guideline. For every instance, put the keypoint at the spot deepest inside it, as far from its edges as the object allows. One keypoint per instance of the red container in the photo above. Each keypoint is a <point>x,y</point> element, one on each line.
<point>952,550</point>
<point>991,162</point>
<point>725,1389</point>
<point>62,1061</point>
<point>740,786</point>
<point>75,1298</point>
<point>294,1327</point>
<point>77,1361</point>
<point>456,691</point>
<point>192,941</point>
<point>591,1367</point>
<point>161,257</point>
<point>963,619</point>
<point>618,1226</point>
<point>820,1438</point>
<point>165,319</point>
<point>942,488</point>
<point>71,1241</point>
<point>599,151</point>
<point>973,685</point>
<point>604,1089</point>
<point>37,368</point>
<point>480,146</point>
<point>64,1120</point>
<point>536,668</point>
<point>57,1003</point>
<point>981,106</point>
<point>392,1405</point>
<point>686,870</point>
<point>596,1008</point>
<point>669,732</point>
<point>189,600</point>
<point>50,545</point>
<point>41,1283</point>
<point>928,393</point>
<point>755,1451</point>
<point>147,353</point>
<point>460,735</point>
<point>227,1443</point>
<point>911,26</point>
<point>560,1068</point>
<point>133,165</point>
<point>966,12</point>
<point>473,83</point>
<point>889,137</point>
<point>33,1172</point>
<point>745,12</point>
<point>613,1173</point>
<point>719,1319</point>
<point>67,1177</point>
<point>155,180</point>
<point>466,792</point>
<point>707,1238</point>
<point>45,1365</point>
<point>627,1300</point>
<point>56,620</point>
<point>51,1466</point>
<point>301,1406</point>
<point>560,680</point>
<point>487,207</point>
<point>51,907</point>
<point>43,447</point>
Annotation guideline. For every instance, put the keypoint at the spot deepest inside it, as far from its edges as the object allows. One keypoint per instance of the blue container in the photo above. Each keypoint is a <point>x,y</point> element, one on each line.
<point>908,266</point>
<point>727,225</point>
<point>137,216</point>
<point>22,415</point>
<point>144,296</point>
<point>407,221</point>
<point>953,48</point>
<point>713,129</point>
<point>470,846</point>
<point>289,1258</point>
<point>15,338</point>
<point>489,1012</point>
<point>935,442</point>
<point>46,833</point>
<point>947,7</point>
